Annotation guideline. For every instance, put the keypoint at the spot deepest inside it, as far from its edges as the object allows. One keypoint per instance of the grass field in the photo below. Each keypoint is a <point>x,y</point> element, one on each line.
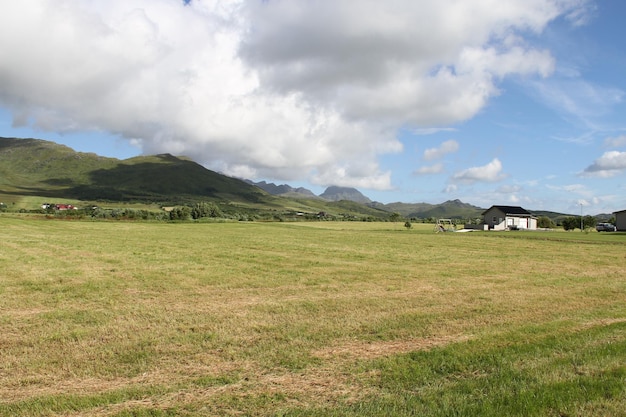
<point>308,319</point>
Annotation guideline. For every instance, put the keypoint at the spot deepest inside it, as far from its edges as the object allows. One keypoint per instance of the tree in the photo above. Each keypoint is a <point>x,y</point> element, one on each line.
<point>545,222</point>
<point>180,213</point>
<point>570,223</point>
<point>205,210</point>
<point>407,224</point>
<point>394,217</point>
<point>589,221</point>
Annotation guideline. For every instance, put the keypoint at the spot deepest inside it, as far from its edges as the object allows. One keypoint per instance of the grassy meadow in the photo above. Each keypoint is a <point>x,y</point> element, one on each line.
<point>308,319</point>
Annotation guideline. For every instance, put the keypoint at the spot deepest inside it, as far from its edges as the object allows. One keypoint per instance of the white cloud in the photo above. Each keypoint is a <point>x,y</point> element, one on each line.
<point>509,189</point>
<point>609,164</point>
<point>355,176</point>
<point>575,97</point>
<point>578,189</point>
<point>615,142</point>
<point>575,188</point>
<point>449,146</point>
<point>514,199</point>
<point>280,89</point>
<point>492,172</point>
<point>431,130</point>
<point>430,170</point>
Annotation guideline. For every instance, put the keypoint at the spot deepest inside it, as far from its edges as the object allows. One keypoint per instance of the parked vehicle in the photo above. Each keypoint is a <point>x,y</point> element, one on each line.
<point>606,227</point>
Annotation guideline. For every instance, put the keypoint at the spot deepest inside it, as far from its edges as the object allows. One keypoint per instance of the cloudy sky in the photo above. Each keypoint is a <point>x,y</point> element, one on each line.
<point>518,102</point>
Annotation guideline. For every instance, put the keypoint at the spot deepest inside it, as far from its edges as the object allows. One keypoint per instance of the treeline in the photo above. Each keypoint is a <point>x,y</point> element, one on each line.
<point>207,211</point>
<point>202,211</point>
<point>575,222</point>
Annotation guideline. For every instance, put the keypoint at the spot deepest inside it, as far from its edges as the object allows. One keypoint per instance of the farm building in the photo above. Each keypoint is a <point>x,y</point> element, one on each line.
<point>620,220</point>
<point>509,217</point>
<point>47,206</point>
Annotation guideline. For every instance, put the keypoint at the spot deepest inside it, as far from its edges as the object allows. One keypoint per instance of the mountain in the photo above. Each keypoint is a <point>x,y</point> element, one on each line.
<point>33,171</point>
<point>453,209</point>
<point>46,170</point>
<point>33,167</point>
<point>334,193</point>
<point>283,189</point>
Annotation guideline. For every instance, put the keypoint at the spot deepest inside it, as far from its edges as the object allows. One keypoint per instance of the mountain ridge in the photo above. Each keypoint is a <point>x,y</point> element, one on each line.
<point>36,167</point>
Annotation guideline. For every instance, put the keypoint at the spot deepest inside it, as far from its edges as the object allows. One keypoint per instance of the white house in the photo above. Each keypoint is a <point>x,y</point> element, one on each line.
<point>509,217</point>
<point>620,220</point>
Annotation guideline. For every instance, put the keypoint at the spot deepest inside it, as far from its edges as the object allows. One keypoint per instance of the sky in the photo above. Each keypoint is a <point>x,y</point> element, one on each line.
<point>492,102</point>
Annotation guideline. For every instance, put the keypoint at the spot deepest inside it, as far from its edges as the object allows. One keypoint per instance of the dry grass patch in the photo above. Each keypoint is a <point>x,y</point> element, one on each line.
<point>373,350</point>
<point>261,319</point>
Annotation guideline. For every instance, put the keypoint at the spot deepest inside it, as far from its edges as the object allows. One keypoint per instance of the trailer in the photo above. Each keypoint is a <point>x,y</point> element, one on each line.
<point>445,225</point>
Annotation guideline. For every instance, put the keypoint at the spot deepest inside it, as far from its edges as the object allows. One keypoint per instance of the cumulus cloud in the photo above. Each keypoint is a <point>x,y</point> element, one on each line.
<point>431,130</point>
<point>608,165</point>
<point>492,172</point>
<point>509,189</point>
<point>514,199</point>
<point>449,146</point>
<point>615,142</point>
<point>578,189</point>
<point>280,89</point>
<point>429,170</point>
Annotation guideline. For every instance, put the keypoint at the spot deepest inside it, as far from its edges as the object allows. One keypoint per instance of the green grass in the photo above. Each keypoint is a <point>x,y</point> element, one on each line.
<point>533,371</point>
<point>320,318</point>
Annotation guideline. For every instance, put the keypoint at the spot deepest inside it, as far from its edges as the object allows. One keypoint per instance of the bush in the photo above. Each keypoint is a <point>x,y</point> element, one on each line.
<point>205,210</point>
<point>545,222</point>
<point>570,223</point>
<point>180,213</point>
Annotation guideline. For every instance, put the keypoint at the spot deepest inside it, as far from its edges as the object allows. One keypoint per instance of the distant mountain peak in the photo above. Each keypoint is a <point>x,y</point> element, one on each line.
<point>336,193</point>
<point>282,189</point>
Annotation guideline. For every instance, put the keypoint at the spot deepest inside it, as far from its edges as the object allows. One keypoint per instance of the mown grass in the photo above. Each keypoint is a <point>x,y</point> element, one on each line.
<point>326,318</point>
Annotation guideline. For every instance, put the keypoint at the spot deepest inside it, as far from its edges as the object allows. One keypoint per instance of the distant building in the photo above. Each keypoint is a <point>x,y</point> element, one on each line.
<point>620,220</point>
<point>65,207</point>
<point>509,217</point>
<point>47,206</point>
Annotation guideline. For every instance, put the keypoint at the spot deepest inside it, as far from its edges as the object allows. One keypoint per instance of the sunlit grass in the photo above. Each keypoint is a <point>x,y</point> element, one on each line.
<point>321,318</point>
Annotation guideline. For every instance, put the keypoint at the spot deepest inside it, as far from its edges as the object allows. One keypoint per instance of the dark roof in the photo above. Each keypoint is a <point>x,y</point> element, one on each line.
<point>514,210</point>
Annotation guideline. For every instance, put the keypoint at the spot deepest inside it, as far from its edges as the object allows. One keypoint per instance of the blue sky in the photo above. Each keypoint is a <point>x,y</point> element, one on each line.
<point>519,102</point>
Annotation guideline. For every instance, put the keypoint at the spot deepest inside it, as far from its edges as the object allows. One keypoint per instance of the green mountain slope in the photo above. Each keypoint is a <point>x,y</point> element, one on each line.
<point>454,209</point>
<point>42,168</point>
<point>36,169</point>
<point>32,165</point>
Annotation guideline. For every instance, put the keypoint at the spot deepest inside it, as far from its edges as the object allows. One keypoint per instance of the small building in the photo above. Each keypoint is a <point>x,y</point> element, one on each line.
<point>47,206</point>
<point>620,220</point>
<point>509,217</point>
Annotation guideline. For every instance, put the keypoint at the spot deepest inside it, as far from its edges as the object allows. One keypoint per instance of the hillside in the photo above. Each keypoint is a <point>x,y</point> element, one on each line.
<point>334,193</point>
<point>454,209</point>
<point>283,190</point>
<point>42,170</point>
<point>35,167</point>
<point>38,170</point>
